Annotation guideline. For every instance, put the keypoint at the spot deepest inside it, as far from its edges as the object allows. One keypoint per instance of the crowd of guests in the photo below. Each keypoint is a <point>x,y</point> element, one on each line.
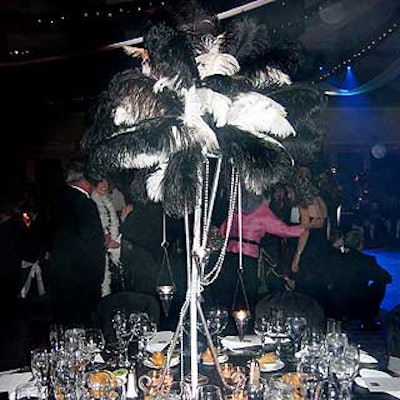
<point>91,247</point>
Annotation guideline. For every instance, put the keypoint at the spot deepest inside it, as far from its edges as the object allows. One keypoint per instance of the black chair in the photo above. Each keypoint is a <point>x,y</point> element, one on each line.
<point>294,303</point>
<point>129,301</point>
<point>393,339</point>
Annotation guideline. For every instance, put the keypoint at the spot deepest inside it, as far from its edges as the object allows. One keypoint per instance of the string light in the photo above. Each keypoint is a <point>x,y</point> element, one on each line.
<point>367,48</point>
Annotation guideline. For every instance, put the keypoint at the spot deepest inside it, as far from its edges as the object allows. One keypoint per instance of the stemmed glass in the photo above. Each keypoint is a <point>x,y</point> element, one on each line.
<point>261,324</point>
<point>311,369</point>
<point>297,328</point>
<point>345,366</point>
<point>146,330</point>
<point>40,365</point>
<point>95,342</point>
<point>217,320</point>
<point>124,334</point>
<point>336,344</point>
<point>278,329</point>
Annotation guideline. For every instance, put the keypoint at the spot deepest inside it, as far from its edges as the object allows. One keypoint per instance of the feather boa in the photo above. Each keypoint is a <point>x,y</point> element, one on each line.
<point>110,224</point>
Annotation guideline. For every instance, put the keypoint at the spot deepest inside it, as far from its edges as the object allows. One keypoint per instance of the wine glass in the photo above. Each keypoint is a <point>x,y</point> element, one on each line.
<point>40,365</point>
<point>217,320</point>
<point>336,344</point>
<point>124,333</point>
<point>261,329</point>
<point>209,392</point>
<point>297,327</point>
<point>309,372</point>
<point>144,330</point>
<point>95,342</point>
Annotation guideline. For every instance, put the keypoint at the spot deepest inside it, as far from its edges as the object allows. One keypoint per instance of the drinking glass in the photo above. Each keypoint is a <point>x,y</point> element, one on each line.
<point>95,342</point>
<point>40,365</point>
<point>308,369</point>
<point>297,326</point>
<point>313,343</point>
<point>26,391</point>
<point>261,329</point>
<point>209,392</point>
<point>333,326</point>
<point>336,344</point>
<point>124,334</point>
<point>217,320</point>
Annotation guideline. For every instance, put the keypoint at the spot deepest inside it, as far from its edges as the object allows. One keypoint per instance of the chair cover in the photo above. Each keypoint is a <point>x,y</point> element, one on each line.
<point>129,301</point>
<point>294,303</point>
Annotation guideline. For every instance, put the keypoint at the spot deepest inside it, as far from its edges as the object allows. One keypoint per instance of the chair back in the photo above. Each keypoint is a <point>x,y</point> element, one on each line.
<point>129,301</point>
<point>292,303</point>
<point>393,339</point>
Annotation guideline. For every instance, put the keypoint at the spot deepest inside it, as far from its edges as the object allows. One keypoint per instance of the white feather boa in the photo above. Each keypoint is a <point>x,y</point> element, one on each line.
<point>110,224</point>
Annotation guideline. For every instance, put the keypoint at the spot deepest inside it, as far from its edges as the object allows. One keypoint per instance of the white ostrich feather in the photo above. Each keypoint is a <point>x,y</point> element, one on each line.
<point>154,183</point>
<point>141,160</point>
<point>256,113</point>
<point>210,43</point>
<point>215,104</point>
<point>193,120</point>
<point>213,63</point>
<point>271,76</point>
<point>166,82</point>
<point>123,115</point>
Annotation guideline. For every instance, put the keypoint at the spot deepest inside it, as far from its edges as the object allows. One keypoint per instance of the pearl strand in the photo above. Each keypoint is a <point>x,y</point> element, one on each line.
<point>213,274</point>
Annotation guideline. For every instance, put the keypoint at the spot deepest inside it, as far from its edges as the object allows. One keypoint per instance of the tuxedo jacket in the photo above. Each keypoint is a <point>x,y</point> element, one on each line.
<point>78,250</point>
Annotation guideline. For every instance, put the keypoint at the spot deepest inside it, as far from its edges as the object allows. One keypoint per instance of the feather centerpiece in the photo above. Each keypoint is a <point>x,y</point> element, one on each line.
<point>200,95</point>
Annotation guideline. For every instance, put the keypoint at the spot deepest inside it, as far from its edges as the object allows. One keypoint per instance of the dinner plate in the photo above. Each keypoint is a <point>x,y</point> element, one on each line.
<point>221,359</point>
<point>269,367</point>
<point>147,362</point>
<point>367,359</point>
<point>369,373</point>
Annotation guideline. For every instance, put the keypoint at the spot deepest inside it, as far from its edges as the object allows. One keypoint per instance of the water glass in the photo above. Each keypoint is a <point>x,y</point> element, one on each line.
<point>209,392</point>
<point>26,391</point>
<point>40,365</point>
<point>336,344</point>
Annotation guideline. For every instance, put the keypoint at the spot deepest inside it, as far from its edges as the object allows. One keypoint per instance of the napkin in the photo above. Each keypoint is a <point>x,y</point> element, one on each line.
<point>233,342</point>
<point>99,359</point>
<point>9,381</point>
<point>378,381</point>
<point>160,341</point>
<point>367,359</point>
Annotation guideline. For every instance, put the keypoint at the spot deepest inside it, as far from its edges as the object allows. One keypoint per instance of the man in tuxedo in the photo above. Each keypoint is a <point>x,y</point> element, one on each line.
<point>362,283</point>
<point>78,250</point>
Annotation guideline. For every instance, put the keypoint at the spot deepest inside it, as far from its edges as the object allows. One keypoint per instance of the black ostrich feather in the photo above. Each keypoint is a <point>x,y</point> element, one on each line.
<point>247,40</point>
<point>255,46</point>
<point>101,122</point>
<point>260,164</point>
<point>286,55</point>
<point>306,146</point>
<point>134,93</point>
<point>300,101</point>
<point>170,54</point>
<point>148,144</point>
<point>195,19</point>
<point>180,181</point>
<point>228,85</point>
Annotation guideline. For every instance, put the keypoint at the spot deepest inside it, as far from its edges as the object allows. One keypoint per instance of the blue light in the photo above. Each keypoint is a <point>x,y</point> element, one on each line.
<point>348,67</point>
<point>321,68</point>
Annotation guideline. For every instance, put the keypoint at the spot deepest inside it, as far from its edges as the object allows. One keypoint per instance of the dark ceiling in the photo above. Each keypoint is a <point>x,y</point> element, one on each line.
<point>67,64</point>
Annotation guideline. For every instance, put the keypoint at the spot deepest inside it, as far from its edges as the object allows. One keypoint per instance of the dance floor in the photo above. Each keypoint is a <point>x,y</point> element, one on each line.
<point>389,259</point>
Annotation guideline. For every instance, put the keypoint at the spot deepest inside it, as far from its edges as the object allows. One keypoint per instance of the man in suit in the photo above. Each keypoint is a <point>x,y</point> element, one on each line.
<point>362,284</point>
<point>78,250</point>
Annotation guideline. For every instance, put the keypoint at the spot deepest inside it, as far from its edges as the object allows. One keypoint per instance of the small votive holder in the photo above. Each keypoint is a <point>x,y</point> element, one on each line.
<point>241,318</point>
<point>166,294</point>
